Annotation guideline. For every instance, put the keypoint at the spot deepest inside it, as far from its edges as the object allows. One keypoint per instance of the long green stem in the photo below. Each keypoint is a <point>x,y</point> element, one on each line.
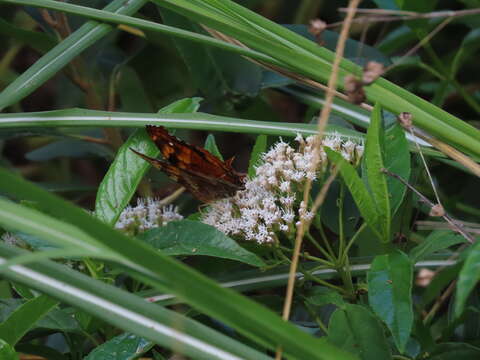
<point>352,241</point>
<point>341,230</point>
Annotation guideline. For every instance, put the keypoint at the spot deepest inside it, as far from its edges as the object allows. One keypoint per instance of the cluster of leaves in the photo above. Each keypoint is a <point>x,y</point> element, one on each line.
<point>356,298</point>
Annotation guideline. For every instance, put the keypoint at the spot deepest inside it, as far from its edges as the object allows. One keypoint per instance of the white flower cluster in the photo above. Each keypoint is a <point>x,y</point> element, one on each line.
<point>146,215</point>
<point>11,239</point>
<point>270,201</point>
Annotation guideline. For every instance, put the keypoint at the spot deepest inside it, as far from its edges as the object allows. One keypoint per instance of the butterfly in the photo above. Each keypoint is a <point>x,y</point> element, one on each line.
<point>204,175</point>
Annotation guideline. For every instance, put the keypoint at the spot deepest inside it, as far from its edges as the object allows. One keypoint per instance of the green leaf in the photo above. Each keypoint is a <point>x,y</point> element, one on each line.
<point>188,237</point>
<point>454,351</point>
<point>25,317</point>
<point>396,157</point>
<point>355,329</point>
<point>122,347</point>
<point>131,91</point>
<point>468,278</point>
<point>211,146</point>
<point>469,46</point>
<point>126,171</point>
<point>7,352</point>
<point>215,72</point>
<point>437,240</point>
<point>59,319</point>
<point>322,295</point>
<point>373,161</point>
<point>359,192</point>
<point>256,156</point>
<point>390,294</point>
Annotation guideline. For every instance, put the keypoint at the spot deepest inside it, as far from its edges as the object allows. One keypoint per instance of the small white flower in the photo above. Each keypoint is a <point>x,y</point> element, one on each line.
<point>10,239</point>
<point>146,215</point>
<point>268,201</point>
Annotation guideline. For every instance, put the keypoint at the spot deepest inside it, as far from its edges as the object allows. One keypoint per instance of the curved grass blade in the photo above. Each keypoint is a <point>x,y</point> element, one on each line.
<point>167,274</point>
<point>194,121</point>
<point>25,317</point>
<point>126,171</point>
<point>58,57</point>
<point>125,310</point>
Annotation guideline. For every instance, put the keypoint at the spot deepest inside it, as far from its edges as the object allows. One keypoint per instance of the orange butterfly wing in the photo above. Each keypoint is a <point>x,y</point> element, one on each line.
<point>200,172</point>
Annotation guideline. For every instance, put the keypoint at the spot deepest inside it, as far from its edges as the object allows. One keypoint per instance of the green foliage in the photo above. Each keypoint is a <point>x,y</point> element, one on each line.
<point>188,237</point>
<point>77,86</point>
<point>353,327</point>
<point>390,294</point>
<point>122,347</point>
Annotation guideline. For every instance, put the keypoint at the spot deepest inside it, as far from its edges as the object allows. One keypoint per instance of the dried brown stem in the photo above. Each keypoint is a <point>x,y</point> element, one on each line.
<point>322,122</point>
<point>454,223</point>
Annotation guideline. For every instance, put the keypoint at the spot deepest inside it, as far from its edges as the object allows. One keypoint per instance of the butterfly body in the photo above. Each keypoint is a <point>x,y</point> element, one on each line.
<point>204,175</point>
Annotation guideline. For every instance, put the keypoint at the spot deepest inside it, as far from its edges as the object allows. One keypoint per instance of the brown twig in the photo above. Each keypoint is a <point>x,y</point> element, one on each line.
<point>455,224</point>
<point>422,42</point>
<point>449,151</point>
<point>381,15</point>
<point>446,294</point>
<point>322,122</point>
<point>435,225</point>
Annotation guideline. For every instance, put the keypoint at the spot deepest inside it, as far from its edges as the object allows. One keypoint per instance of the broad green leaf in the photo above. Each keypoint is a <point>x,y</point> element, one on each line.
<point>468,278</point>
<point>454,351</point>
<point>390,294</point>
<point>256,156</point>
<point>355,329</point>
<point>396,39</point>
<point>437,240</point>
<point>168,275</point>
<point>122,347</point>
<point>186,237</point>
<point>214,72</point>
<point>470,44</point>
<point>25,317</point>
<point>359,192</point>
<point>131,91</point>
<point>59,319</point>
<point>7,352</point>
<point>126,171</point>
<point>396,158</point>
<point>322,295</point>
<point>377,182</point>
<point>211,145</point>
